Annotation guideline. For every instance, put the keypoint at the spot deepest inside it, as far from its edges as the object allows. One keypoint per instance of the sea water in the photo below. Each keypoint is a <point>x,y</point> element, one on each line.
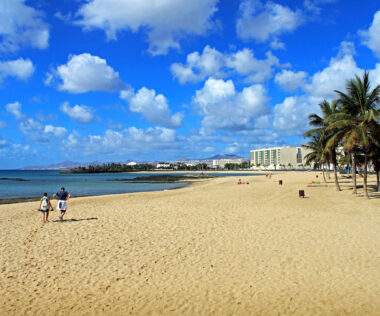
<point>50,181</point>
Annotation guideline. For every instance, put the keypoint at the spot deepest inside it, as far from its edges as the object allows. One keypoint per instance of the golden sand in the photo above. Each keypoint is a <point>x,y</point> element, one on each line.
<point>214,248</point>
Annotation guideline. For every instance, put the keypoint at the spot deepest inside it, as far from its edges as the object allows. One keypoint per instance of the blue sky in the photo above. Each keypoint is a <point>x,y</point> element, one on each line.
<point>113,80</point>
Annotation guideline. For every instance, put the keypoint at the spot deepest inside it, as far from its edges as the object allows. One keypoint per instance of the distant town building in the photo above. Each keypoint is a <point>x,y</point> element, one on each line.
<point>132,163</point>
<point>279,157</point>
<point>221,163</point>
<point>163,165</point>
<point>193,162</point>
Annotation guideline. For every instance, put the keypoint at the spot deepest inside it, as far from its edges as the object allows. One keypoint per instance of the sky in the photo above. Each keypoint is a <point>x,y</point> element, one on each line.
<point>158,80</point>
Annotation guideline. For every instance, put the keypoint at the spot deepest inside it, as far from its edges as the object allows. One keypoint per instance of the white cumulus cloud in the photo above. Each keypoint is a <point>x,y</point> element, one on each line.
<point>374,76</point>
<point>78,113</point>
<point>165,22</point>
<point>15,109</point>
<point>17,151</point>
<point>21,26</point>
<point>40,133</point>
<point>30,125</point>
<point>255,70</point>
<point>276,44</point>
<point>20,68</point>
<point>34,129</point>
<point>333,77</point>
<point>84,73</point>
<point>265,21</point>
<point>199,66</point>
<point>3,142</point>
<point>371,36</point>
<point>154,107</point>
<point>225,108</point>
<point>56,131</point>
<point>291,80</point>
<point>212,63</point>
<point>314,5</point>
<point>263,121</point>
<point>128,141</point>
<point>290,116</point>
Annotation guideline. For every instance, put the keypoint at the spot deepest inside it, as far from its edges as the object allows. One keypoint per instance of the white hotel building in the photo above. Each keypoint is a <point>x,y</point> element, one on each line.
<point>278,157</point>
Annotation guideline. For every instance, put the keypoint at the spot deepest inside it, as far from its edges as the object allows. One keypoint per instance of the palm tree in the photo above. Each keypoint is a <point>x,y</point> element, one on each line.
<point>358,117</point>
<point>318,154</point>
<point>327,135</point>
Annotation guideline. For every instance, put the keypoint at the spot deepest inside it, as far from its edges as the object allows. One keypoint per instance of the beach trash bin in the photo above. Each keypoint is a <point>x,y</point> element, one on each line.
<point>301,193</point>
<point>280,182</point>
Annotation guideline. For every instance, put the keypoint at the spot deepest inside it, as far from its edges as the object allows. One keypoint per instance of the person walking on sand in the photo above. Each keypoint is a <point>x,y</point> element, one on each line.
<point>45,206</point>
<point>63,197</point>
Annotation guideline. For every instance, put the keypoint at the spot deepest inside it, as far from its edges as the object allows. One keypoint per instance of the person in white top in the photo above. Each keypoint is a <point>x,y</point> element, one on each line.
<point>45,206</point>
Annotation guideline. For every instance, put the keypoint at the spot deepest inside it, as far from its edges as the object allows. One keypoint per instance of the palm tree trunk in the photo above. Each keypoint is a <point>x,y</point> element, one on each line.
<point>377,180</point>
<point>336,179</point>
<point>323,172</point>
<point>328,170</point>
<point>354,173</point>
<point>365,175</point>
<point>333,160</point>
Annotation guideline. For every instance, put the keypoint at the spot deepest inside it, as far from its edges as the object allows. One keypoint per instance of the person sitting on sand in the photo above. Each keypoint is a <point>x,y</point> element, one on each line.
<point>63,197</point>
<point>45,206</point>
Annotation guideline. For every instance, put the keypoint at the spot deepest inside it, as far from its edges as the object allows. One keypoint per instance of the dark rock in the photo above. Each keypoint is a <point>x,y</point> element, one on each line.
<point>14,179</point>
<point>165,178</point>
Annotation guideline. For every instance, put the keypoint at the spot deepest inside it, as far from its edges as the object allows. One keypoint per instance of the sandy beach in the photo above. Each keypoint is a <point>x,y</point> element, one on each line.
<point>213,248</point>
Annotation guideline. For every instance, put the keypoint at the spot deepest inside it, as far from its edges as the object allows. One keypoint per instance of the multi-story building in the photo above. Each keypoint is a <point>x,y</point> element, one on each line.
<point>221,163</point>
<point>278,157</point>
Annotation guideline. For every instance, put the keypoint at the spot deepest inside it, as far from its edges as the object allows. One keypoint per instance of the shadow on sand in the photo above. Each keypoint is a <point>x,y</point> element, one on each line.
<point>372,194</point>
<point>346,185</point>
<point>75,220</point>
<point>372,189</point>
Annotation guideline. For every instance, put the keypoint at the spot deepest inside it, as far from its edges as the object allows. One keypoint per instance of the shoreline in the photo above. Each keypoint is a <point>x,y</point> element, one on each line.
<point>36,199</point>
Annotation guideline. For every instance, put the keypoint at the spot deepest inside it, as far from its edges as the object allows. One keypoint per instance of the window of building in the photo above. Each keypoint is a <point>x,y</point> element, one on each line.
<point>299,155</point>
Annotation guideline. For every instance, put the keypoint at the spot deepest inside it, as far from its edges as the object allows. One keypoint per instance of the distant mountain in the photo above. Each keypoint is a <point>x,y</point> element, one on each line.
<point>215,157</point>
<point>184,159</point>
<point>61,165</point>
<point>70,165</point>
<point>224,156</point>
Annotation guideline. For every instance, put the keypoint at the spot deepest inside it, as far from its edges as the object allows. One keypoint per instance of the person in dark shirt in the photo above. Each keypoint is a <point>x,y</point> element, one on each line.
<point>63,197</point>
